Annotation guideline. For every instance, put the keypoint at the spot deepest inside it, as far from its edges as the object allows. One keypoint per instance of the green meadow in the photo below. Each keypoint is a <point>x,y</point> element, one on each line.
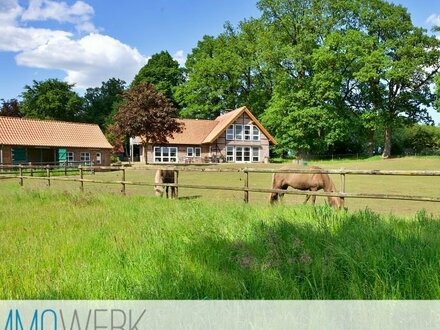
<point>58,243</point>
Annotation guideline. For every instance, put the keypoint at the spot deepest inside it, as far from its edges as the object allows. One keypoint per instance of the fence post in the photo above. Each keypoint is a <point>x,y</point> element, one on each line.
<point>20,169</point>
<point>342,190</point>
<point>123,181</point>
<point>65,168</point>
<point>176,182</point>
<point>246,186</point>
<point>31,168</point>
<point>48,175</point>
<point>81,177</point>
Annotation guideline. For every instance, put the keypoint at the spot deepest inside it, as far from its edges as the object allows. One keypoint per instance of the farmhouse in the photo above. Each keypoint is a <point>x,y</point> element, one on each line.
<point>236,136</point>
<point>24,141</point>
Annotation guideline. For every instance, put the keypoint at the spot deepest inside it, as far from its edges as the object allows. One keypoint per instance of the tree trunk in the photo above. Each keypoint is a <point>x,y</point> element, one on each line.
<point>371,143</point>
<point>145,151</point>
<point>387,142</point>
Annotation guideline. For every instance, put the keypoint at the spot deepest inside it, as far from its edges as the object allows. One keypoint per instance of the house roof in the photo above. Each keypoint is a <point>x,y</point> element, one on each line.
<point>197,131</point>
<point>194,131</point>
<point>228,118</point>
<point>48,133</point>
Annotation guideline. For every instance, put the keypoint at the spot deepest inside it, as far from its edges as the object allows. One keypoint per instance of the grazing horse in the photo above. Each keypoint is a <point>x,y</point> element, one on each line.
<point>165,176</point>
<point>305,181</point>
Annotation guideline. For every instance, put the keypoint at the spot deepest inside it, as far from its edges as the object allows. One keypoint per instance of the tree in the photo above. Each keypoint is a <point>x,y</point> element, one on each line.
<point>10,108</point>
<point>224,72</point>
<point>163,72</point>
<point>403,62</point>
<point>343,60</point>
<point>51,99</point>
<point>147,114</point>
<point>101,103</point>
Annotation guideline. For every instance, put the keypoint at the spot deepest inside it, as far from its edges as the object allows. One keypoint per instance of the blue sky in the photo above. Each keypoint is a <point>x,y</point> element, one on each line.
<point>89,41</point>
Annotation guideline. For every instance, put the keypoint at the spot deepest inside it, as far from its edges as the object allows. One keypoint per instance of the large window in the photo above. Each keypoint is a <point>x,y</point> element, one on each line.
<point>241,154</point>
<point>165,154</point>
<point>242,132</point>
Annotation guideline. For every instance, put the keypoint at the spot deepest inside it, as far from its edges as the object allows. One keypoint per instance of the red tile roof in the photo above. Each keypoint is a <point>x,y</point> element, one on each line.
<point>198,132</point>
<point>47,133</point>
<point>194,131</point>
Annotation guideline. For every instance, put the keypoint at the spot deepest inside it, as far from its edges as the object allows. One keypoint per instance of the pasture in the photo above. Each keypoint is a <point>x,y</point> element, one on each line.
<point>58,243</point>
<point>86,246</point>
<point>420,186</point>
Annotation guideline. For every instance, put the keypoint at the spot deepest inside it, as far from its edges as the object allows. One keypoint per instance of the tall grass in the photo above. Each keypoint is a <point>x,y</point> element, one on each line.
<point>83,246</point>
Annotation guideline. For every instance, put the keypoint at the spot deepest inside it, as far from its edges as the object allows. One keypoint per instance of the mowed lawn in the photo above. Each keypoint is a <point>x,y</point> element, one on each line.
<point>417,186</point>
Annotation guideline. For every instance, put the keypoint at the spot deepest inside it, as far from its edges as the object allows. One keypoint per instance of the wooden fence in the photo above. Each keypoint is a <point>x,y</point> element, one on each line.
<point>5,173</point>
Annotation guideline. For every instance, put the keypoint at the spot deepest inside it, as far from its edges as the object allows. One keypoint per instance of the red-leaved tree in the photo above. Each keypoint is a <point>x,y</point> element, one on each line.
<point>147,114</point>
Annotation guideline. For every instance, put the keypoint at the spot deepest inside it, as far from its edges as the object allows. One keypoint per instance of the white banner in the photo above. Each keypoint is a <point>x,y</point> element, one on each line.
<point>218,314</point>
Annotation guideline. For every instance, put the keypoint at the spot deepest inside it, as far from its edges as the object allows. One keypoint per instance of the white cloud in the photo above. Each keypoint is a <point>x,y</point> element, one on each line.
<point>9,11</point>
<point>79,14</point>
<point>17,39</point>
<point>87,60</point>
<point>434,19</point>
<point>180,57</point>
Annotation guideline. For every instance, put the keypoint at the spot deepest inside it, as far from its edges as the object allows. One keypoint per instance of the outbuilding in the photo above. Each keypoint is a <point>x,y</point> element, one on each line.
<point>24,141</point>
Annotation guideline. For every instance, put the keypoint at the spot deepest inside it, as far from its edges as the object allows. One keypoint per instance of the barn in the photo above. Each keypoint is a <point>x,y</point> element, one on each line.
<point>24,141</point>
<point>235,136</point>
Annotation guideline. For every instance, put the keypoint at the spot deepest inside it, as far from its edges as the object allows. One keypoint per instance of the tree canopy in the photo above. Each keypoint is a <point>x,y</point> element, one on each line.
<point>10,108</point>
<point>51,99</point>
<point>101,103</point>
<point>145,113</point>
<point>323,75</point>
<point>163,72</point>
<point>320,74</point>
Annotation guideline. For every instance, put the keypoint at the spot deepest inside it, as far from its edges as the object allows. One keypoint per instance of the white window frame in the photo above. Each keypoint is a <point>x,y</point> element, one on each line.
<point>189,151</point>
<point>165,154</point>
<point>230,133</point>
<point>247,132</point>
<point>84,157</point>
<point>197,151</point>
<point>256,133</point>
<point>230,154</point>
<point>98,157</point>
<point>70,157</point>
<point>255,154</point>
<point>238,132</point>
<point>243,154</point>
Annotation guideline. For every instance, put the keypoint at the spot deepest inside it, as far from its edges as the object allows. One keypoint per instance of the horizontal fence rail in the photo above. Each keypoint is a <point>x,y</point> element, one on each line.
<point>245,189</point>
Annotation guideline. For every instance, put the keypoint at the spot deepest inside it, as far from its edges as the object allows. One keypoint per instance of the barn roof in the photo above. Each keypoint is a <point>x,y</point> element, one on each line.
<point>50,133</point>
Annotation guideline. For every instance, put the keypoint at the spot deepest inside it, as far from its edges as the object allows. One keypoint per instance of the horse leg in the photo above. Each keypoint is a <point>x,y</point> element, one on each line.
<point>312,196</point>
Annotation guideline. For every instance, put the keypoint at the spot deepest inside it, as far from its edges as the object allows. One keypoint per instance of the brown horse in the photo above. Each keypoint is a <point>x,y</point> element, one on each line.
<point>165,176</point>
<point>305,181</point>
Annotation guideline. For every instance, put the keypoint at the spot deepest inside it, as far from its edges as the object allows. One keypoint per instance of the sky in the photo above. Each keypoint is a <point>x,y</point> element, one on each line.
<point>86,42</point>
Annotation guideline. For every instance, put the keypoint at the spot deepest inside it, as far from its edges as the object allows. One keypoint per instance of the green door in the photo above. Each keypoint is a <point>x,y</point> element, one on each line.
<point>61,155</point>
<point>19,156</point>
